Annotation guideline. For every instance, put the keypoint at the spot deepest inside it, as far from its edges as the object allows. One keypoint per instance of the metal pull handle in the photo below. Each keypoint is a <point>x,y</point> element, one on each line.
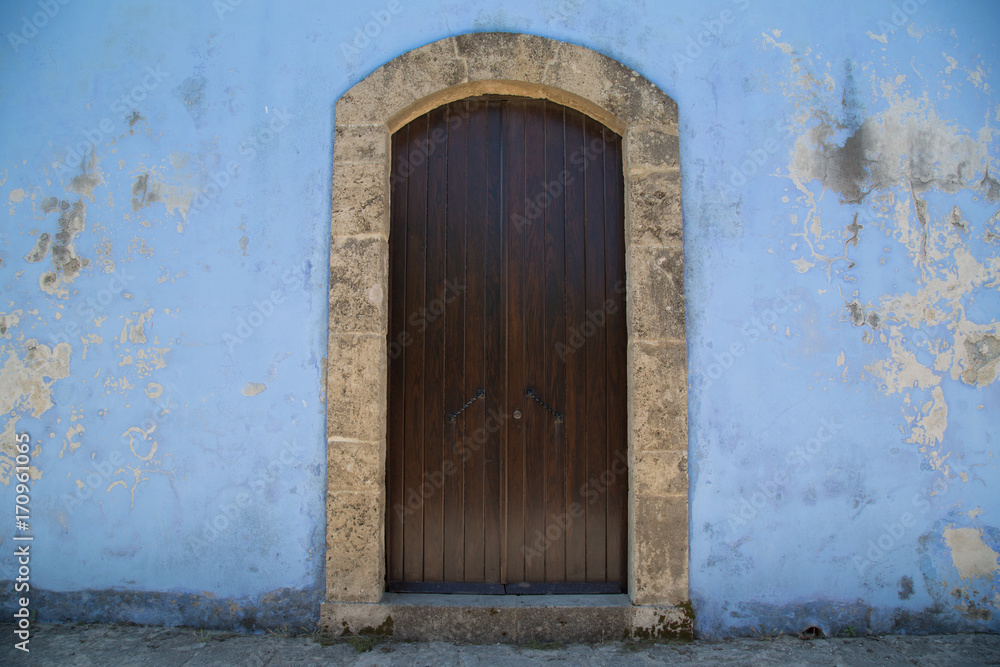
<point>531,394</point>
<point>454,415</point>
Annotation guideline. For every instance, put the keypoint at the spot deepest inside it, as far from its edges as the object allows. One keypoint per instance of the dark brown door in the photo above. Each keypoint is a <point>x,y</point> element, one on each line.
<point>506,461</point>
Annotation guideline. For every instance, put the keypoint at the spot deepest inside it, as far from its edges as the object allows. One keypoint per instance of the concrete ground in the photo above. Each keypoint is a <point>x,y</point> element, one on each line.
<point>93,644</point>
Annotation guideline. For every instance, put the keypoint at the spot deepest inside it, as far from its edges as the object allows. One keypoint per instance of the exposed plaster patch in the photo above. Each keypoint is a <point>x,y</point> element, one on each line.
<point>983,360</point>
<point>253,388</point>
<point>26,385</point>
<point>136,333</point>
<point>970,555</point>
<point>8,321</point>
<point>892,171</point>
<point>40,250</point>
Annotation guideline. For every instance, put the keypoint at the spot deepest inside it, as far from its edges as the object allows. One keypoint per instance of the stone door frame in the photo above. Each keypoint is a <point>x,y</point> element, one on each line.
<point>357,368</point>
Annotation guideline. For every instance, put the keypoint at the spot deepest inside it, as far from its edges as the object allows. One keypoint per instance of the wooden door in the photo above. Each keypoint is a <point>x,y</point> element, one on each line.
<point>506,429</point>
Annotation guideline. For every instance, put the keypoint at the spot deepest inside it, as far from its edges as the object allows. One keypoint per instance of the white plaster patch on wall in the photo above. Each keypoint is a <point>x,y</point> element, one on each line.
<point>971,556</point>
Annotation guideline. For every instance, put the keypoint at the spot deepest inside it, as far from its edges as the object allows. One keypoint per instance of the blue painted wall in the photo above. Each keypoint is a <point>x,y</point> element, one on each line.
<point>166,169</point>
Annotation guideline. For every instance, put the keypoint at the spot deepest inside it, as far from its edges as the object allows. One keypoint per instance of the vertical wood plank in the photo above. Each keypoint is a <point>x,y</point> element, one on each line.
<point>554,384</point>
<point>416,231</point>
<point>475,378</point>
<point>614,234</point>
<point>576,357</point>
<point>396,349</point>
<point>454,380</point>
<point>535,416</point>
<point>495,343</point>
<point>596,356</point>
<point>515,459</point>
<point>431,318</point>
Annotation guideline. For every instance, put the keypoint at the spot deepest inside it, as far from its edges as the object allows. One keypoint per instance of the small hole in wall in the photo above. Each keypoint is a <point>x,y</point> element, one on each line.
<point>812,632</point>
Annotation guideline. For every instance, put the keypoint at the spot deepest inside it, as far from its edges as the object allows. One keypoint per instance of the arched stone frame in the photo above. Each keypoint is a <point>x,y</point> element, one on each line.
<point>357,371</point>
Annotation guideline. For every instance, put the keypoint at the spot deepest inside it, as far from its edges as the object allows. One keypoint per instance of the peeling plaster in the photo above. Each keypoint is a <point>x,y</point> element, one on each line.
<point>26,386</point>
<point>971,556</point>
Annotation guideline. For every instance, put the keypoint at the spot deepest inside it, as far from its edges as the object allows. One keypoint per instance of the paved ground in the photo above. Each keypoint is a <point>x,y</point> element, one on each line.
<point>114,645</point>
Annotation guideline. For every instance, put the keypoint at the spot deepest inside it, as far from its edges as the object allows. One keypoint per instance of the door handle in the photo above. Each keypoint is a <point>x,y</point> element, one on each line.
<point>531,394</point>
<point>454,415</point>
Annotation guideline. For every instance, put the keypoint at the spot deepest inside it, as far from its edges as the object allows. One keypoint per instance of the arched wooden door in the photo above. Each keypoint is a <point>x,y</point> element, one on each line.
<point>506,464</point>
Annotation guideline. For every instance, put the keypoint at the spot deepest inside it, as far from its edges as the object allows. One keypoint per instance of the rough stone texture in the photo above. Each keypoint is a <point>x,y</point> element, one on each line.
<point>504,63</point>
<point>659,395</point>
<point>653,147</point>
<point>360,199</point>
<point>359,269</point>
<point>506,56</point>
<point>358,144</point>
<point>660,473</point>
<point>654,200</point>
<point>573,624</point>
<point>656,292</point>
<point>660,622</point>
<point>448,623</point>
<point>56,645</point>
<point>356,388</point>
<point>661,550</point>
<point>355,570</point>
<point>401,82</point>
<point>355,466</point>
<point>358,618</point>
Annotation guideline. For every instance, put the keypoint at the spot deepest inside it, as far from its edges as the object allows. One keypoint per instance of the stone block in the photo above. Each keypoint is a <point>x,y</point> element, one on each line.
<point>660,536</point>
<point>656,292</point>
<point>658,401</point>
<point>652,147</point>
<point>360,199</point>
<point>660,474</point>
<point>360,144</point>
<point>355,466</point>
<point>356,388</point>
<point>355,568</point>
<point>359,270</point>
<point>654,199</point>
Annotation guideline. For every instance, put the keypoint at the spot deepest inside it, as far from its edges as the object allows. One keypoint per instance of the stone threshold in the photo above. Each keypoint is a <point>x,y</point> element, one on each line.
<point>487,619</point>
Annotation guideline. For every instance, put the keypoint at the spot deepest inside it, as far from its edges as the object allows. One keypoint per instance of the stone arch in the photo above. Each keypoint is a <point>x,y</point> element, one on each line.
<point>366,117</point>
